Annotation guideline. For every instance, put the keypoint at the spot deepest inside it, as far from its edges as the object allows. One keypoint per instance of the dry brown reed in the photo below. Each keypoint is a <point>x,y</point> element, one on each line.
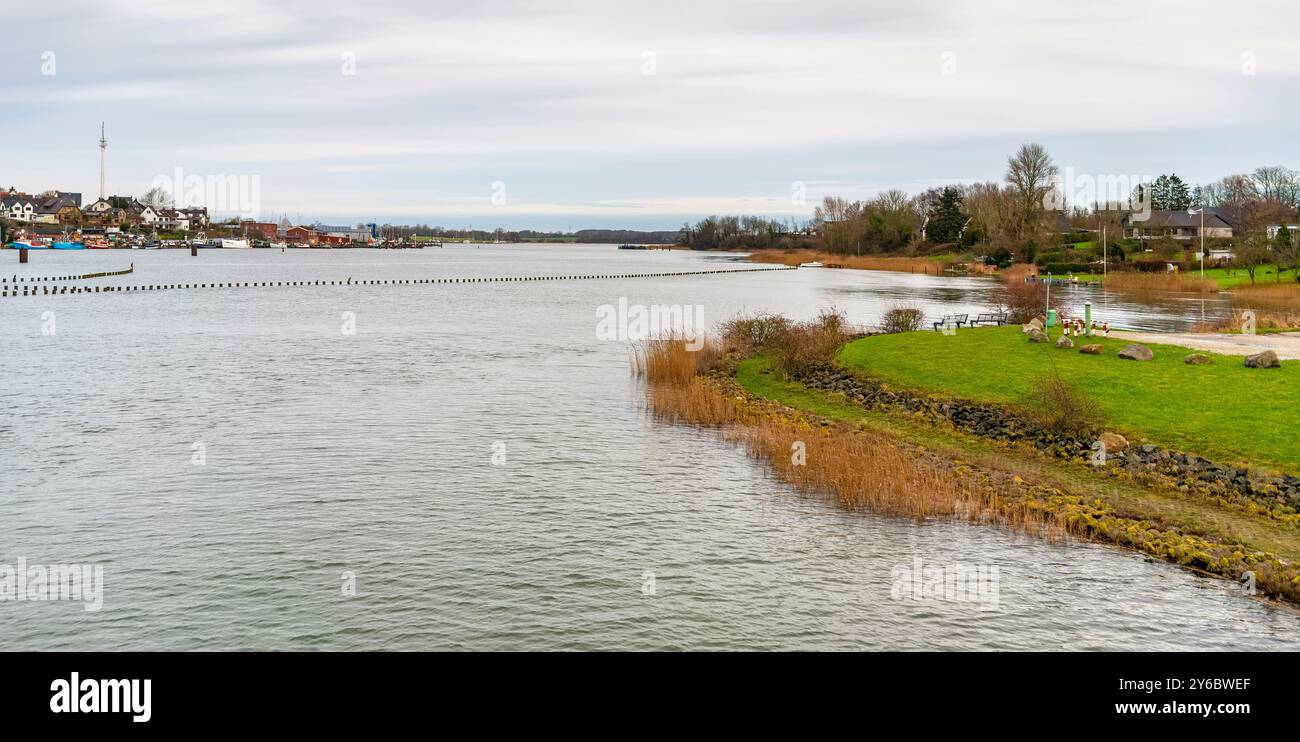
<point>1138,282</point>
<point>1279,297</point>
<point>674,358</point>
<point>1016,274</point>
<point>857,262</point>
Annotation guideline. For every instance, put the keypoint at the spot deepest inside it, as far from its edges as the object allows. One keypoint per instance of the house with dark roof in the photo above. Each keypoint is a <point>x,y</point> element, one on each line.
<point>1177,224</point>
<point>56,209</point>
<point>19,206</point>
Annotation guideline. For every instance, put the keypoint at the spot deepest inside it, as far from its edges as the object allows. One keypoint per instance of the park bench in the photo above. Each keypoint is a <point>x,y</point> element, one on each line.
<point>956,320</point>
<point>990,318</point>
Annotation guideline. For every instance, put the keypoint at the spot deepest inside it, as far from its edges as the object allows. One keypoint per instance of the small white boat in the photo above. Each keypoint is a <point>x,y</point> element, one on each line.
<point>813,264</point>
<point>230,244</point>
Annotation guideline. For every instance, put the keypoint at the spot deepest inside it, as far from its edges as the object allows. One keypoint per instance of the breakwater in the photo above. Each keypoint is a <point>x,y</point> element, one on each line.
<point>39,289</point>
<point>18,280</point>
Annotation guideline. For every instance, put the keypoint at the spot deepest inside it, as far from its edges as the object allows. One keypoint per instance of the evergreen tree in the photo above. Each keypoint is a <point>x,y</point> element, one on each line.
<point>945,219</point>
<point>1178,197</point>
<point>1160,193</point>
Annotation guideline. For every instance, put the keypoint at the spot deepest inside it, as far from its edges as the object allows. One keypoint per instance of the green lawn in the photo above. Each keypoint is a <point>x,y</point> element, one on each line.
<point>1223,410</point>
<point>1229,277</point>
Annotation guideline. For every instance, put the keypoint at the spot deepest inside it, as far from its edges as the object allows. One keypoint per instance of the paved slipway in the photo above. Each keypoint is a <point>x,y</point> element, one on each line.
<point>1285,344</point>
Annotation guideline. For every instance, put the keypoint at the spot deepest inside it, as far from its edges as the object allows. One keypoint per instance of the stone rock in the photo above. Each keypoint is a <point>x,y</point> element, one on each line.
<point>1041,320</point>
<point>1135,352</point>
<point>1032,324</point>
<point>1092,350</point>
<point>1114,442</point>
<point>1037,336</point>
<point>1196,359</point>
<point>1065,342</point>
<point>1266,359</point>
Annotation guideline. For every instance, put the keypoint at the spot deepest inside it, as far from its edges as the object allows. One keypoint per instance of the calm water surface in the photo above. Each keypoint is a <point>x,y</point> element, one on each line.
<point>371,455</point>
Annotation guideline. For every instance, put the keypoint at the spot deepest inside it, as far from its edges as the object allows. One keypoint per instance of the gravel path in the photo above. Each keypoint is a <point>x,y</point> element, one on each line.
<point>1285,344</point>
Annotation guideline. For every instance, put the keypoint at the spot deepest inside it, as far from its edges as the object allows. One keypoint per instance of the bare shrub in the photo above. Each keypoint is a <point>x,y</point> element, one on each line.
<point>812,343</point>
<point>1024,301</point>
<point>902,319</point>
<point>1059,406</point>
<point>756,334</point>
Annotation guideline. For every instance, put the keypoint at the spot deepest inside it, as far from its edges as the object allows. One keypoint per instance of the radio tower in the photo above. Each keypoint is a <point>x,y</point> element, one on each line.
<point>103,145</point>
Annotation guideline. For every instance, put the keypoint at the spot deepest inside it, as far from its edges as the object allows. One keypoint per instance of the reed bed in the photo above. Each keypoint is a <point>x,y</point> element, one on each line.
<point>1017,273</point>
<point>860,469</point>
<point>1264,320</point>
<point>675,358</point>
<point>1279,297</point>
<point>856,262</point>
<point>1136,282</point>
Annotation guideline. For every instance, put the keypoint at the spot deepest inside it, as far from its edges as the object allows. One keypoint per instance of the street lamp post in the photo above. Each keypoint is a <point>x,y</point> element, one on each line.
<point>1202,242</point>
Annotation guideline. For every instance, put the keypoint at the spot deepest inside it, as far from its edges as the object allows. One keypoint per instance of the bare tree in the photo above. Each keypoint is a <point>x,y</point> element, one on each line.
<point>1277,183</point>
<point>1030,173</point>
<point>991,207</point>
<point>1252,254</point>
<point>157,197</point>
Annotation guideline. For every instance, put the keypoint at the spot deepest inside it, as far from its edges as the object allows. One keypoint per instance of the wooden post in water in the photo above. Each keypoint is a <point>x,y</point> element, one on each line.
<point>194,251</point>
<point>22,255</point>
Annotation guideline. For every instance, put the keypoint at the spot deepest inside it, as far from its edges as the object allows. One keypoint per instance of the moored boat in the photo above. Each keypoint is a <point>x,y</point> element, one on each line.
<point>35,243</point>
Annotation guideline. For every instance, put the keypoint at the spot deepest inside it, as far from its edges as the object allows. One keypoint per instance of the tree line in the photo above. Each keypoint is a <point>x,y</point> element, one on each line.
<point>1023,213</point>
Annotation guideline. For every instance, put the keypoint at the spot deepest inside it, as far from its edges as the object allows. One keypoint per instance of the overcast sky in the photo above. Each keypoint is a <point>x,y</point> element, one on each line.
<point>639,115</point>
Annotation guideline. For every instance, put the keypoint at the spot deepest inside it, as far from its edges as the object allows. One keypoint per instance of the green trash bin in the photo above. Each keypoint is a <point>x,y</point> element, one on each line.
<point>1051,318</point>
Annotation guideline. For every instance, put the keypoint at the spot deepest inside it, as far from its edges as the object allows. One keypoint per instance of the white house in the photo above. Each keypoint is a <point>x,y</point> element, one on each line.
<point>1294,229</point>
<point>148,215</point>
<point>19,207</point>
<point>173,219</point>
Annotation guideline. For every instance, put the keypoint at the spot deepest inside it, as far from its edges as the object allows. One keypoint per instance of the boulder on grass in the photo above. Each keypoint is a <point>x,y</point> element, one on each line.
<point>1032,324</point>
<point>1114,442</point>
<point>1092,350</point>
<point>1266,359</point>
<point>1196,359</point>
<point>1065,342</point>
<point>1135,352</point>
<point>1037,336</point>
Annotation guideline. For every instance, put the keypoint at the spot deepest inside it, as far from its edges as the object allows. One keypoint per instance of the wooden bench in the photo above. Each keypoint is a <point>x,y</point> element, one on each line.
<point>990,318</point>
<point>954,319</point>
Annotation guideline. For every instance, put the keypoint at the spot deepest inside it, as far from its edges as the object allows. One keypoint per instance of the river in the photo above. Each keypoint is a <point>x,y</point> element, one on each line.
<point>473,468</point>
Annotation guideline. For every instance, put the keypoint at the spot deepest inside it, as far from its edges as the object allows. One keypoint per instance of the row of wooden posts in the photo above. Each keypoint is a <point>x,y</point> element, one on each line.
<point>82,277</point>
<point>46,290</point>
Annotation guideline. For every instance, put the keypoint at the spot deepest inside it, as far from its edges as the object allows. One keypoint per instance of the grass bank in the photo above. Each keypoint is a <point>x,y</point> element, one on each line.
<point>894,463</point>
<point>1222,410</point>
